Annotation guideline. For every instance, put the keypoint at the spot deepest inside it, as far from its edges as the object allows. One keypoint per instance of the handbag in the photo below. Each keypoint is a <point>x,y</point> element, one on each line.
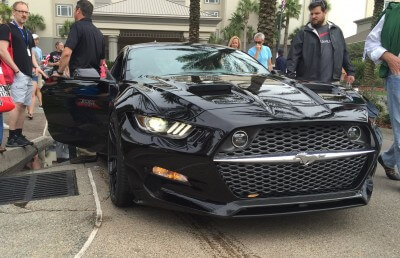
<point>8,73</point>
<point>6,102</point>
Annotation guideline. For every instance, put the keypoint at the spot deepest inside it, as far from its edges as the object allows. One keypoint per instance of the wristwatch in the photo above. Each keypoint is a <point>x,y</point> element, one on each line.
<point>60,73</point>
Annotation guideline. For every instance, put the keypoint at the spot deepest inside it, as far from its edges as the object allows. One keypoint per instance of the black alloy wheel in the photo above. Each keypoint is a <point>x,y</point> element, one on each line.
<point>118,180</point>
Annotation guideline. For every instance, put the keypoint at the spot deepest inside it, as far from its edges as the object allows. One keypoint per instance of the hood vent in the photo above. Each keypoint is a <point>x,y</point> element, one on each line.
<point>329,92</point>
<point>210,89</point>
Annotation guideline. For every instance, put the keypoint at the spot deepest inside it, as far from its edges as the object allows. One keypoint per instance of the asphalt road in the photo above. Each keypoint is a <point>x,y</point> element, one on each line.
<point>369,231</point>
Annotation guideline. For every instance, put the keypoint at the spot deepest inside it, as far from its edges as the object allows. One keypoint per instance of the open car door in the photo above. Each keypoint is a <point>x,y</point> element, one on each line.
<point>77,109</point>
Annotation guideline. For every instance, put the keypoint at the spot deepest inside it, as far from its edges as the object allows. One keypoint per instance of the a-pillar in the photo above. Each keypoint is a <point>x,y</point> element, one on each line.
<point>112,47</point>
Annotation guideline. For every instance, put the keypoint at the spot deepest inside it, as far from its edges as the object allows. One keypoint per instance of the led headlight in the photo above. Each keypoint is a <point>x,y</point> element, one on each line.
<point>164,127</point>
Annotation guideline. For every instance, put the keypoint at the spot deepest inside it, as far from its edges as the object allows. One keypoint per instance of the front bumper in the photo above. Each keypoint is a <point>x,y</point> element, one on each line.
<point>259,207</point>
<point>208,194</point>
<point>211,190</point>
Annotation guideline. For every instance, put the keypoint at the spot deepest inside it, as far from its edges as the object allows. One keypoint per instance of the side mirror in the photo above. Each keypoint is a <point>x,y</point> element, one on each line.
<point>86,74</point>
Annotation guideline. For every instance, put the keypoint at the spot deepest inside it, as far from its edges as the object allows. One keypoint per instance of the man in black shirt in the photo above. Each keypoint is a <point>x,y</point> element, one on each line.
<point>23,64</point>
<point>55,56</point>
<point>85,46</point>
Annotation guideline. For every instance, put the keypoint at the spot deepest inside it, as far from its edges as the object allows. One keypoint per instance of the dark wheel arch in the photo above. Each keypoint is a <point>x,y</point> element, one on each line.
<point>120,191</point>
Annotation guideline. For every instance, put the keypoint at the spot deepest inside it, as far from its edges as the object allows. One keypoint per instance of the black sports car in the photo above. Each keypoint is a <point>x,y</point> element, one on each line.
<point>207,129</point>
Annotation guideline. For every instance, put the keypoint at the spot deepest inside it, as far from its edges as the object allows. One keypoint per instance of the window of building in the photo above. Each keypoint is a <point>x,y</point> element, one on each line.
<point>58,28</point>
<point>64,10</point>
<point>211,1</point>
<point>213,13</point>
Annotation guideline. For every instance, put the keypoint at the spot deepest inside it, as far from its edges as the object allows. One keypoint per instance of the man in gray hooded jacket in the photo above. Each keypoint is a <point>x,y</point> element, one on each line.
<point>318,51</point>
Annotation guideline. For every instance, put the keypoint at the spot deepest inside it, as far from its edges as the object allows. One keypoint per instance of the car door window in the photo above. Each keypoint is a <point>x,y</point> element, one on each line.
<point>116,69</point>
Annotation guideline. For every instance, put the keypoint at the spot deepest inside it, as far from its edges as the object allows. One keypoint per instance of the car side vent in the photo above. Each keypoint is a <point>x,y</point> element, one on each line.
<point>210,89</point>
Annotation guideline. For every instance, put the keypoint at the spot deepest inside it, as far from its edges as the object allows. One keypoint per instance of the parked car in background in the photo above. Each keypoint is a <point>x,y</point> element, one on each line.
<point>207,129</point>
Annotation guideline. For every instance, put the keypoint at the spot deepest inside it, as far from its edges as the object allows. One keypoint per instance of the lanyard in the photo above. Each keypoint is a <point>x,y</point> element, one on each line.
<point>24,35</point>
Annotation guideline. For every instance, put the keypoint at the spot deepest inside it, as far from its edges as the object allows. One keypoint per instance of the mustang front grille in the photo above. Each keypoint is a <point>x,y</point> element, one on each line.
<point>278,180</point>
<point>296,139</point>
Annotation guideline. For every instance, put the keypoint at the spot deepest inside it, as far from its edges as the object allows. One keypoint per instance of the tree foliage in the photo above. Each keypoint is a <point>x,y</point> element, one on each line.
<point>35,22</point>
<point>292,10</point>
<point>5,13</point>
<point>239,21</point>
<point>235,26</point>
<point>66,27</point>
<point>245,8</point>
<point>194,21</point>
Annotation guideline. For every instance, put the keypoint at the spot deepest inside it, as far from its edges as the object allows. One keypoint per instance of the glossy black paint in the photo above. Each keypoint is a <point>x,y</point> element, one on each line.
<point>78,113</point>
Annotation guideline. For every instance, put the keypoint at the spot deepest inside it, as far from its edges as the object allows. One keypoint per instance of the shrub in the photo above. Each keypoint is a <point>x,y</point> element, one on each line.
<point>378,82</point>
<point>383,118</point>
<point>109,64</point>
<point>356,50</point>
<point>359,66</point>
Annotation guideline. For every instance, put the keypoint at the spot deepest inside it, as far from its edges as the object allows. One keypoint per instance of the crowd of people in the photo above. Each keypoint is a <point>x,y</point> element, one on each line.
<point>318,53</point>
<point>84,47</point>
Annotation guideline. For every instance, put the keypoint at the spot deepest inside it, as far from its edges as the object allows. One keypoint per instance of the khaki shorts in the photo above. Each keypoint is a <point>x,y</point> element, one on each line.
<point>22,89</point>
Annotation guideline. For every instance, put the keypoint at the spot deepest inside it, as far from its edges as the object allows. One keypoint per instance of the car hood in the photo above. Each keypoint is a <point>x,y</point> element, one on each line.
<point>224,96</point>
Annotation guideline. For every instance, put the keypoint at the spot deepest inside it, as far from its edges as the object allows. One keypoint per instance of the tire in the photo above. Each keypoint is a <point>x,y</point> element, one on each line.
<point>120,192</point>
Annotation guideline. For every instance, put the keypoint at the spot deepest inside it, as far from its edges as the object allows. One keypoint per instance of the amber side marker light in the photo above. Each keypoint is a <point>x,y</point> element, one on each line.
<point>253,195</point>
<point>169,174</point>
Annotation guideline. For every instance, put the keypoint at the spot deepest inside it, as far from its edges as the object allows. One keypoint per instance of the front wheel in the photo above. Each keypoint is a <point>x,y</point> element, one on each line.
<point>120,192</point>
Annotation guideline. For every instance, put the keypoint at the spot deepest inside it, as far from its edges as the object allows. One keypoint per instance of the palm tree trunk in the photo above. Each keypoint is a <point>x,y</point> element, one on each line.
<point>369,72</point>
<point>194,21</point>
<point>285,39</point>
<point>266,21</point>
<point>245,37</point>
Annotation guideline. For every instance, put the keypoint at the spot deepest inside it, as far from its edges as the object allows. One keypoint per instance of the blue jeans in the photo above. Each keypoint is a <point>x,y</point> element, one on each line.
<point>1,128</point>
<point>391,158</point>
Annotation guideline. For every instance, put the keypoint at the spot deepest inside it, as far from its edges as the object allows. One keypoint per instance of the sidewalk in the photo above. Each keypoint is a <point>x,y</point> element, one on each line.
<point>33,130</point>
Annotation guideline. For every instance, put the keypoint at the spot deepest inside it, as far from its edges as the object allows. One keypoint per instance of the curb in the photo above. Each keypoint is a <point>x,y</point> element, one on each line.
<point>16,158</point>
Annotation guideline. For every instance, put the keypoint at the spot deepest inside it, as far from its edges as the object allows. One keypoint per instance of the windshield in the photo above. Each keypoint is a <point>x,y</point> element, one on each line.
<point>189,60</point>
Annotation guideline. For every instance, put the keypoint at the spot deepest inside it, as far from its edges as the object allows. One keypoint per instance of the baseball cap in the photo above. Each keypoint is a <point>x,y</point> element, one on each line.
<point>35,36</point>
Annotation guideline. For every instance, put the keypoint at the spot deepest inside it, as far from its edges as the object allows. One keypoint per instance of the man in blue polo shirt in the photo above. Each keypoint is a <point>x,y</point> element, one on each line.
<point>260,52</point>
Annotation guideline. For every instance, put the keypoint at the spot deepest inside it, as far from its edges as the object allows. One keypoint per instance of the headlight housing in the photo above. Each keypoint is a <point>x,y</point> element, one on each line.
<point>357,135</point>
<point>157,125</point>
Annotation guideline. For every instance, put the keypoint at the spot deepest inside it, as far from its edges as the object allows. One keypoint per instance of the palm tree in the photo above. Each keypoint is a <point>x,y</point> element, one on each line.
<point>64,31</point>
<point>266,20</point>
<point>292,10</point>
<point>194,21</point>
<point>245,8</point>
<point>35,22</point>
<point>5,13</point>
<point>235,26</point>
<point>369,75</point>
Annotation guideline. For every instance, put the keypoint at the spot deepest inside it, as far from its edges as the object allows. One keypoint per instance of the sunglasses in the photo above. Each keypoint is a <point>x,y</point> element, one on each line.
<point>258,42</point>
<point>319,2</point>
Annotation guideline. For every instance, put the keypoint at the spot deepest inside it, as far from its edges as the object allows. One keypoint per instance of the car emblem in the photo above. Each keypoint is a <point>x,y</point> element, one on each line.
<point>240,139</point>
<point>307,159</point>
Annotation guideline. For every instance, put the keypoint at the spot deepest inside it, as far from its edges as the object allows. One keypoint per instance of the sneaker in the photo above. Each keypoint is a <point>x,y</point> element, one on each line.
<point>23,138</point>
<point>2,149</point>
<point>5,126</point>
<point>390,172</point>
<point>15,141</point>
